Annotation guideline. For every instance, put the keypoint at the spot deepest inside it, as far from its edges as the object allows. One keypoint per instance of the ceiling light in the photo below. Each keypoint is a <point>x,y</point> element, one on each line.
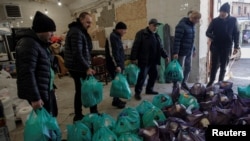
<point>59,3</point>
<point>46,11</point>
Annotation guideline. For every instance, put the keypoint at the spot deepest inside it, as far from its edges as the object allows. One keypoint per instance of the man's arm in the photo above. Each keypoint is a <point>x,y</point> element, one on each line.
<point>236,34</point>
<point>136,46</point>
<point>78,45</point>
<point>209,32</point>
<point>114,50</point>
<point>179,33</point>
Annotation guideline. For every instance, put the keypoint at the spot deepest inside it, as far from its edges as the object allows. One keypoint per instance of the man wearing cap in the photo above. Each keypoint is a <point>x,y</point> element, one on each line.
<point>147,50</point>
<point>34,64</point>
<point>184,48</point>
<point>223,32</point>
<point>78,45</point>
<point>115,56</point>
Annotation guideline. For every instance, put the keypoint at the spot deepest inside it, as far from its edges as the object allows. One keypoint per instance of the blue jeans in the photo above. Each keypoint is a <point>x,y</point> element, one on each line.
<point>186,63</point>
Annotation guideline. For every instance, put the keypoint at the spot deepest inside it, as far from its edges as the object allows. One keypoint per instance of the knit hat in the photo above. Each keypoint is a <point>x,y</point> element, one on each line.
<point>225,8</point>
<point>121,25</point>
<point>43,23</point>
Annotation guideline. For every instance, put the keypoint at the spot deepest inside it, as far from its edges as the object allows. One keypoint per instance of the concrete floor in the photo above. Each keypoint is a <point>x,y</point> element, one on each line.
<point>65,94</point>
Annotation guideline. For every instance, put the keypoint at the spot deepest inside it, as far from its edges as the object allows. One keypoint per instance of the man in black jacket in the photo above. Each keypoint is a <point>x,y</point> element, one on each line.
<point>223,31</point>
<point>115,56</point>
<point>34,62</point>
<point>147,50</point>
<point>78,46</point>
<point>184,48</point>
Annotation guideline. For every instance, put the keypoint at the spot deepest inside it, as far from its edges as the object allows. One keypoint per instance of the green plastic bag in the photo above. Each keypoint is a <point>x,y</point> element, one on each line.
<point>41,126</point>
<point>162,101</point>
<point>129,137</point>
<point>151,115</point>
<point>244,92</point>
<point>127,121</point>
<point>131,72</point>
<point>78,132</point>
<point>89,120</point>
<point>174,71</point>
<point>104,134</point>
<point>91,91</point>
<point>144,106</point>
<point>120,88</point>
<point>188,101</point>
<point>104,120</point>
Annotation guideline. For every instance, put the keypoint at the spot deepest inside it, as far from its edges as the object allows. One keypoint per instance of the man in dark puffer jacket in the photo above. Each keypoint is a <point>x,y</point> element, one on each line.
<point>184,44</point>
<point>78,46</point>
<point>35,75</point>
<point>223,32</point>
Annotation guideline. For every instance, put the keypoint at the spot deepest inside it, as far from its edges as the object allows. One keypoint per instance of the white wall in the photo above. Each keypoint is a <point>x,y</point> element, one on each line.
<point>61,15</point>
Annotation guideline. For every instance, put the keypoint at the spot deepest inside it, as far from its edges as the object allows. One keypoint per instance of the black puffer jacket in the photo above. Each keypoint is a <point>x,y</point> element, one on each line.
<point>184,37</point>
<point>78,46</point>
<point>145,50</point>
<point>33,62</point>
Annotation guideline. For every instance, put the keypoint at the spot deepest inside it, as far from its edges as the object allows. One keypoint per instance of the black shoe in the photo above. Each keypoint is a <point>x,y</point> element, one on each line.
<point>209,84</point>
<point>123,102</point>
<point>118,104</point>
<point>185,86</point>
<point>77,117</point>
<point>152,92</point>
<point>137,96</point>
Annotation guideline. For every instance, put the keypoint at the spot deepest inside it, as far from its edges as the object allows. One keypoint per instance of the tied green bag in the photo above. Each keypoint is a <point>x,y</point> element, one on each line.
<point>162,101</point>
<point>144,106</point>
<point>244,92</point>
<point>152,115</point>
<point>104,134</point>
<point>119,87</point>
<point>91,91</point>
<point>104,120</point>
<point>131,73</point>
<point>189,101</point>
<point>41,126</point>
<point>174,71</point>
<point>78,132</point>
<point>127,121</point>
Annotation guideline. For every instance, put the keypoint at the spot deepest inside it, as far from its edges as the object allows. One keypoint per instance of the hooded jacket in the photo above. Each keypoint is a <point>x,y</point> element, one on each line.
<point>184,37</point>
<point>78,46</point>
<point>33,62</point>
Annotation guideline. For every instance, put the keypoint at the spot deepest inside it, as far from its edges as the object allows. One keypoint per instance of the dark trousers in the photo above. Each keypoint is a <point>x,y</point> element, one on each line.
<point>151,71</point>
<point>77,101</point>
<point>220,58</point>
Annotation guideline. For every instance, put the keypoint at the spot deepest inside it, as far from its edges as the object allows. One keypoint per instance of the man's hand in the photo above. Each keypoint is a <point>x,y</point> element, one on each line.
<point>235,51</point>
<point>175,56</point>
<point>118,69</point>
<point>194,54</point>
<point>167,60</point>
<point>90,71</point>
<point>37,104</point>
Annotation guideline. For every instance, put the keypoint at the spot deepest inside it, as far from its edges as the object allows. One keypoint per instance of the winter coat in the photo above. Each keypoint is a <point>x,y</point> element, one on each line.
<point>184,37</point>
<point>145,50</point>
<point>78,46</point>
<point>224,32</point>
<point>33,63</point>
<point>114,53</point>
